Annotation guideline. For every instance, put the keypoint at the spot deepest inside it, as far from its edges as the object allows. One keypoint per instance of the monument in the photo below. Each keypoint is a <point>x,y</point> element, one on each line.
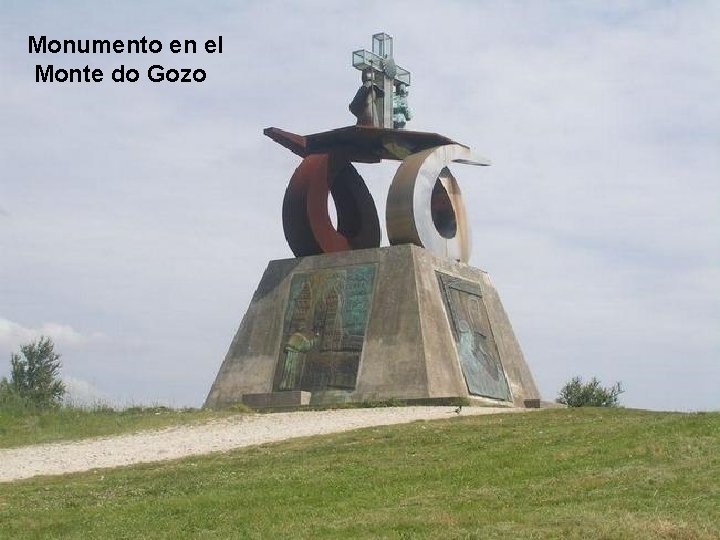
<point>347,320</point>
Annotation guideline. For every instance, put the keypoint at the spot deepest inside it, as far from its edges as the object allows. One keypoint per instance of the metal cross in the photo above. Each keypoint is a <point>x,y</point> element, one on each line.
<point>381,60</point>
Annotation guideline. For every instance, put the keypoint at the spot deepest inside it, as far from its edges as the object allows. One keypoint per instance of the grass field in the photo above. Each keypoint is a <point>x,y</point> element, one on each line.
<point>575,473</point>
<point>20,427</point>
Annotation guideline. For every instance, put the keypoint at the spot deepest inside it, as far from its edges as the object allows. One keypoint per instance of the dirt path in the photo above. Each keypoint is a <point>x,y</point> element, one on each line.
<point>216,436</point>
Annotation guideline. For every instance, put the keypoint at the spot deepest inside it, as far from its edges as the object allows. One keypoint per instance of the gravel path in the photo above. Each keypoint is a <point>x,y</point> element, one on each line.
<point>216,436</point>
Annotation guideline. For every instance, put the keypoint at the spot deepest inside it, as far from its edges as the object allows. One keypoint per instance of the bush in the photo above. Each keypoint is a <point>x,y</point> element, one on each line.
<point>590,394</point>
<point>34,377</point>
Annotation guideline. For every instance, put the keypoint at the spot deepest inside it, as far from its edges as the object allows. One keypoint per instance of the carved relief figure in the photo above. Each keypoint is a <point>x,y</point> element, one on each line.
<point>477,350</point>
<point>295,351</point>
<point>325,326</point>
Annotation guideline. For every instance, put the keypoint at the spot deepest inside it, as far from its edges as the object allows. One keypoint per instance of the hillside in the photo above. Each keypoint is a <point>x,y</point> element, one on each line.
<point>553,474</point>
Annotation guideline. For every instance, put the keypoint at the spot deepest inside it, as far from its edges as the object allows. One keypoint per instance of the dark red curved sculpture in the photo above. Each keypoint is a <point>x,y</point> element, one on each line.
<point>307,224</point>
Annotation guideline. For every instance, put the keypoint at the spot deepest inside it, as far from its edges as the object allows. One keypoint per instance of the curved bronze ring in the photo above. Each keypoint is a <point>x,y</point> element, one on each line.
<point>307,224</point>
<point>424,204</point>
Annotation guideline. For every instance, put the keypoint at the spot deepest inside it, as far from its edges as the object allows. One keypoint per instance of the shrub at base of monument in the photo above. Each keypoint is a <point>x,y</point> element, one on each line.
<point>576,393</point>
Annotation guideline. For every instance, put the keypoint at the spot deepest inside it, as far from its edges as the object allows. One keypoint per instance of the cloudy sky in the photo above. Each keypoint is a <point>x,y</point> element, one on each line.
<point>136,219</point>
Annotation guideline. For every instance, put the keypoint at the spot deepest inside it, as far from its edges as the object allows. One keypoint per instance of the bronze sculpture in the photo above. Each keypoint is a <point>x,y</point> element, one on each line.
<point>424,205</point>
<point>401,109</point>
<point>367,101</point>
<point>358,322</point>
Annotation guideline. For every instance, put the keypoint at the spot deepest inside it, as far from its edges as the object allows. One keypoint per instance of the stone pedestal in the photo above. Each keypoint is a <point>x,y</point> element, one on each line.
<point>290,398</point>
<point>375,324</point>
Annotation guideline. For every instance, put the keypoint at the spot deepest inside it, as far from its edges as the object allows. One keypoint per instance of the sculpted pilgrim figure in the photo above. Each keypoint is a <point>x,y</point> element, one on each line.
<point>401,109</point>
<point>367,103</point>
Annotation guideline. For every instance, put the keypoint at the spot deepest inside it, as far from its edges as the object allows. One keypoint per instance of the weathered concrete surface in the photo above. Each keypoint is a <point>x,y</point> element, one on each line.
<point>293,398</point>
<point>409,350</point>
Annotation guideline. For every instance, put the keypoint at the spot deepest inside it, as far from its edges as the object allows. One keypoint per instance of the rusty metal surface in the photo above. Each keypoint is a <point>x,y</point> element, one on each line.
<point>363,144</point>
<point>374,143</point>
<point>292,141</point>
<point>306,222</point>
<point>425,206</point>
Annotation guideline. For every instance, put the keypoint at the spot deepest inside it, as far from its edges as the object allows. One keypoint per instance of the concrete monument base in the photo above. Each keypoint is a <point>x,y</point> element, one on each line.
<point>369,325</point>
<point>290,398</point>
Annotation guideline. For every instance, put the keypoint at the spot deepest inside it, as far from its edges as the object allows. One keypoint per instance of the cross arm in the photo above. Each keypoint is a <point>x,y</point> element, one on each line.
<point>363,59</point>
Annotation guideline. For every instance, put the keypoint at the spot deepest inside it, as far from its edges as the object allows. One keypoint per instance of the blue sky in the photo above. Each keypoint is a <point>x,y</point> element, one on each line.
<point>136,220</point>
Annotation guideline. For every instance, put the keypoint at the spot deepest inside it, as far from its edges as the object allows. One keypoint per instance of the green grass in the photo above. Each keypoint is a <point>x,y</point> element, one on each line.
<point>575,473</point>
<point>20,426</point>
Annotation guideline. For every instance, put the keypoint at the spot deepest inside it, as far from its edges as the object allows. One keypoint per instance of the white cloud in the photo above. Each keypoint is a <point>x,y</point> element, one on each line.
<point>80,392</point>
<point>13,335</point>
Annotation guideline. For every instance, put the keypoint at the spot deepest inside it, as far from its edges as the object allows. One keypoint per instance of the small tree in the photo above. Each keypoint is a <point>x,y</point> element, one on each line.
<point>590,394</point>
<point>35,374</point>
